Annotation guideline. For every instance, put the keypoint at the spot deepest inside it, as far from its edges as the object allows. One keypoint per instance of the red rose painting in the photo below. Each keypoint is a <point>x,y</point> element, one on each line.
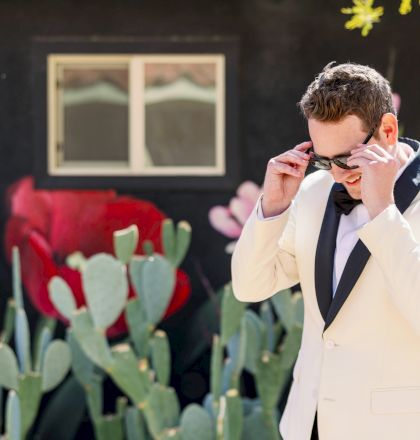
<point>47,226</point>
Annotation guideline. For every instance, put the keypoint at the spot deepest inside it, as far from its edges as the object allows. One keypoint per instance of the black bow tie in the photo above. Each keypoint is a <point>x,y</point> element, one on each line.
<point>343,202</point>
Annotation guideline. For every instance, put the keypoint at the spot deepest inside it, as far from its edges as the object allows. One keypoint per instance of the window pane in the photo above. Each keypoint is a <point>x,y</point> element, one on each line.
<point>95,114</point>
<point>180,114</point>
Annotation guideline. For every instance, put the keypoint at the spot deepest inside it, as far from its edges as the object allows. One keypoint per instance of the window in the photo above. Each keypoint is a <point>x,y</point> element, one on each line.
<point>139,115</point>
<point>127,114</point>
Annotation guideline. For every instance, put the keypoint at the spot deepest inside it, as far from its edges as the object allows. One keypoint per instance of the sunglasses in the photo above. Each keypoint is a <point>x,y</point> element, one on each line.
<point>324,163</point>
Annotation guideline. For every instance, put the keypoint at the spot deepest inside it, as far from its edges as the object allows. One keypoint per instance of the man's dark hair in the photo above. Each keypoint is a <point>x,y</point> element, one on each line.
<point>348,89</point>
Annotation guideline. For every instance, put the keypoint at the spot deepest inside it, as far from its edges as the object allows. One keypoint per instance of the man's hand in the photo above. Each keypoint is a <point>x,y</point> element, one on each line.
<point>379,170</point>
<point>283,177</point>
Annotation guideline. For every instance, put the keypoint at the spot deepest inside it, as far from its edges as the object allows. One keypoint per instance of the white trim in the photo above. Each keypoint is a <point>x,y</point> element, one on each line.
<point>137,155</point>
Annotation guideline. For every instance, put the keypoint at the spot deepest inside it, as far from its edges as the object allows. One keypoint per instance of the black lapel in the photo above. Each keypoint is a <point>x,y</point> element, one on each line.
<point>324,258</point>
<point>406,189</point>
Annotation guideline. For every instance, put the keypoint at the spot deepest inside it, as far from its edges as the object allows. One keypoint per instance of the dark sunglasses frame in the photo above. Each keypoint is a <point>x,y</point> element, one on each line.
<point>324,163</point>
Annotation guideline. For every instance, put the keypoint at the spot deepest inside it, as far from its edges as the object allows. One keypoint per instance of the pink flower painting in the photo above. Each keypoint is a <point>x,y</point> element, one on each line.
<point>229,220</point>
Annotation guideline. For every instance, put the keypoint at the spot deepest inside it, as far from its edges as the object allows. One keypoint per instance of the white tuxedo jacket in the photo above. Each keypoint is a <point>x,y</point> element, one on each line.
<point>359,360</point>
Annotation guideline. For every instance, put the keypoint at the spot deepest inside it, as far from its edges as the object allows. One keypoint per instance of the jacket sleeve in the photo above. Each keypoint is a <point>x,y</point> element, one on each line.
<point>263,261</point>
<point>392,243</point>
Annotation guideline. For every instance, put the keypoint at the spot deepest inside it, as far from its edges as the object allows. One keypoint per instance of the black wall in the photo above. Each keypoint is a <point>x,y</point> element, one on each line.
<point>283,45</point>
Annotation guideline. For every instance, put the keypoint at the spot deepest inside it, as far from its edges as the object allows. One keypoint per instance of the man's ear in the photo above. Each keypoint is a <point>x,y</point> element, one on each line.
<point>389,128</point>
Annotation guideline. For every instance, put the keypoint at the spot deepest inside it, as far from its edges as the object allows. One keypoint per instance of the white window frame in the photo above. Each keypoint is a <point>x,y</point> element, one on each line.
<point>136,164</point>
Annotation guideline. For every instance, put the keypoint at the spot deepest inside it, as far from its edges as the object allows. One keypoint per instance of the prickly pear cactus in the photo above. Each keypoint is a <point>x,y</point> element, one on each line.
<point>28,375</point>
<point>264,347</point>
<point>141,366</point>
<point>263,343</point>
<point>13,416</point>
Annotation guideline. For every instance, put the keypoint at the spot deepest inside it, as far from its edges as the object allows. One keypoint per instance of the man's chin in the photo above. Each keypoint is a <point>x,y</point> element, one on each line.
<point>354,193</point>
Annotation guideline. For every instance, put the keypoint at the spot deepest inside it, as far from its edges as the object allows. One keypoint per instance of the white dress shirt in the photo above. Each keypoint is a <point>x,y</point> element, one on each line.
<point>347,230</point>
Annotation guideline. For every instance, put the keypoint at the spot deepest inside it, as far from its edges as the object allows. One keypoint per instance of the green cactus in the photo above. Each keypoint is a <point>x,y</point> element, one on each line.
<point>133,379</point>
<point>108,426</point>
<point>246,335</point>
<point>232,312</point>
<point>140,329</point>
<point>19,374</point>
<point>251,342</point>
<point>91,339</point>
<point>216,374</point>
<point>44,342</point>
<point>161,409</point>
<point>95,401</point>
<point>82,367</point>
<point>237,352</point>
<point>169,239</point>
<point>13,416</point>
<point>227,375</point>
<point>30,393</point>
<point>255,331</point>
<point>260,425</point>
<point>104,280</point>
<point>120,362</point>
<point>172,434</point>
<point>45,326</point>
<point>249,405</point>
<point>183,239</point>
<point>196,424</point>
<point>269,379</point>
<point>161,356</point>
<point>267,317</point>
<point>233,418</point>
<point>288,307</point>
<point>175,244</point>
<point>17,282</point>
<point>111,426</point>
<point>22,341</point>
<point>290,347</point>
<point>9,369</point>
<point>61,296</point>
<point>105,285</point>
<point>148,248</point>
<point>135,426</point>
<point>154,281</point>
<point>55,364</point>
<point>125,243</point>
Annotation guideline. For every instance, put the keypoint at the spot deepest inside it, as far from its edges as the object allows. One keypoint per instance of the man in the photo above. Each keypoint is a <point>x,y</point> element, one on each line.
<point>350,234</point>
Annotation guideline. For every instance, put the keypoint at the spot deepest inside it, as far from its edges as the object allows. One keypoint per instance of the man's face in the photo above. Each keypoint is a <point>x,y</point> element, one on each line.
<point>332,139</point>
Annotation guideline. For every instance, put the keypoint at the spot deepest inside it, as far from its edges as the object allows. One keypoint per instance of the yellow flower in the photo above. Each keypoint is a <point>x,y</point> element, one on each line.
<point>405,7</point>
<point>364,15</point>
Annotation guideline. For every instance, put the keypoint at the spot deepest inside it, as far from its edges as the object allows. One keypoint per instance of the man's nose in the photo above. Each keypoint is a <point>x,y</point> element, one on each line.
<point>339,174</point>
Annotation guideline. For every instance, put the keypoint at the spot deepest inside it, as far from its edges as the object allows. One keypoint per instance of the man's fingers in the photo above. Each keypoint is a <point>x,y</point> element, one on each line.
<point>300,154</point>
<point>360,161</point>
<point>297,156</point>
<point>303,146</point>
<point>285,168</point>
<point>293,156</point>
<point>368,154</point>
<point>376,148</point>
<point>293,162</point>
